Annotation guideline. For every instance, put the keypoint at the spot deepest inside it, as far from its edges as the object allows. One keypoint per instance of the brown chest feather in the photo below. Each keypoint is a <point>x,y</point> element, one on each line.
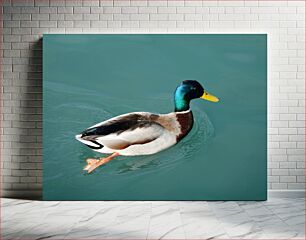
<point>186,122</point>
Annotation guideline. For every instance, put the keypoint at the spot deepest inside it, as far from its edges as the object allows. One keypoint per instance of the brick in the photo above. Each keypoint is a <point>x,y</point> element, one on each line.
<point>112,10</point>
<point>176,17</point>
<point>185,24</point>
<point>297,124</point>
<point>242,10</point>
<point>296,151</point>
<point>113,24</point>
<point>138,3</point>
<point>300,165</point>
<point>279,186</point>
<point>288,53</point>
<point>147,9</point>
<point>74,3</point>
<point>296,172</point>
<point>288,116</point>
<point>217,10</point>
<point>273,144</point>
<point>122,3</point>
<point>278,154</point>
<point>297,138</point>
<point>11,24</point>
<point>91,3</point>
<point>229,17</point>
<point>296,186</point>
<point>76,16</point>
<point>291,10</point>
<point>29,10</point>
<point>104,17</point>
<point>287,165</point>
<point>64,24</point>
<point>230,3</point>
<point>130,24</point>
<point>287,24</point>
<point>21,31</point>
<point>30,24</point>
<point>28,179</point>
<point>192,17</point>
<point>25,16</point>
<point>57,3</point>
<point>91,16</point>
<point>20,46</point>
<point>148,24</point>
<point>158,17</point>
<point>300,116</point>
<point>300,179</point>
<point>96,10</point>
<point>82,24</point>
<point>11,53</point>
<point>296,158</point>
<point>288,179</point>
<point>166,10</point>
<point>185,10</point>
<point>57,17</point>
<point>260,10</point>
<point>167,24</point>
<point>139,17</point>
<point>47,24</point>
<point>157,3</point>
<point>11,38</point>
<point>19,173</point>
<point>195,3</point>
<point>273,165</point>
<point>98,24</point>
<point>221,24</point>
<point>106,2</point>
<point>288,103</point>
<point>279,124</point>
<point>10,179</point>
<point>265,24</point>
<point>23,3</point>
<point>130,10</point>
<point>63,10</point>
<point>176,3</point>
<point>40,16</point>
<point>287,145</point>
<point>287,131</point>
<point>121,17</point>
<point>81,9</point>
<point>10,9</point>
<point>273,179</point>
<point>41,3</point>
<point>36,173</point>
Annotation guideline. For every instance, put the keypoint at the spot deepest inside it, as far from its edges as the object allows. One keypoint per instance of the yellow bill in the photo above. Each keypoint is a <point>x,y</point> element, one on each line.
<point>209,97</point>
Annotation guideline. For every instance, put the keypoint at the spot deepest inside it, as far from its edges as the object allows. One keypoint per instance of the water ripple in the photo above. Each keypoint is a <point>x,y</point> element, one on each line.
<point>72,123</point>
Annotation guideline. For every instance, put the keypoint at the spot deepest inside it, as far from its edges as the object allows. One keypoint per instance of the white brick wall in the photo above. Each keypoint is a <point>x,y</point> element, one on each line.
<point>24,21</point>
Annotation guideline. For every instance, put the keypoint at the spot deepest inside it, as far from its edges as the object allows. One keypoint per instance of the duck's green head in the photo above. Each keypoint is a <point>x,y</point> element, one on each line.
<point>188,90</point>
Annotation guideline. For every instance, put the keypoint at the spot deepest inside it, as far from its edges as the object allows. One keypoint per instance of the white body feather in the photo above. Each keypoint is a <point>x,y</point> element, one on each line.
<point>162,138</point>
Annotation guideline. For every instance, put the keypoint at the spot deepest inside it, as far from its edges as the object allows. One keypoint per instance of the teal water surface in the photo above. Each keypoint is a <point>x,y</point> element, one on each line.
<point>90,78</point>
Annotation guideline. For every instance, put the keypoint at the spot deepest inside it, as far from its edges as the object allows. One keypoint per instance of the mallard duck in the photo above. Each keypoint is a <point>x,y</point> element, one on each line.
<point>144,133</point>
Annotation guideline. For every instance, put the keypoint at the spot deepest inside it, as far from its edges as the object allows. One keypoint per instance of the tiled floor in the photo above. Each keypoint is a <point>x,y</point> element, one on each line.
<point>273,219</point>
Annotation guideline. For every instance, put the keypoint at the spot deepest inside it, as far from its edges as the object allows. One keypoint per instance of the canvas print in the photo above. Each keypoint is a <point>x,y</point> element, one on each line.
<point>155,117</point>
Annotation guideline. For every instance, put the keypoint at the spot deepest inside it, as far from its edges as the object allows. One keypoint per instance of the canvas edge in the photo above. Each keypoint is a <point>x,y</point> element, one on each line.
<point>37,194</point>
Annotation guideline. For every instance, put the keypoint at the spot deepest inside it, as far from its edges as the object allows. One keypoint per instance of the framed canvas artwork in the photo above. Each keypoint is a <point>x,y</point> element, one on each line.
<point>155,117</point>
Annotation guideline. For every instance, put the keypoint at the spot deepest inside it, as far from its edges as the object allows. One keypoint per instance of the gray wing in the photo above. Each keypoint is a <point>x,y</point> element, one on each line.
<point>125,130</point>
